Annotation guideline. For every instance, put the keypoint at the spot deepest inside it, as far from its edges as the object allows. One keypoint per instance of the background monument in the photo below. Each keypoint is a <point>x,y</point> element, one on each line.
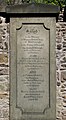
<point>32,61</point>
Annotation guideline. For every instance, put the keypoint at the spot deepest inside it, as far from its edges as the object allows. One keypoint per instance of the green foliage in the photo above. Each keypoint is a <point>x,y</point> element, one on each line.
<point>55,2</point>
<point>8,1</point>
<point>61,3</point>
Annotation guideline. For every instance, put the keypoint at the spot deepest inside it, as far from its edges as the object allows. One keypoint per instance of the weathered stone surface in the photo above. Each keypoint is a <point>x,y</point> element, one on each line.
<point>3,58</point>
<point>4,74</point>
<point>4,108</point>
<point>4,86</point>
<point>61,70</point>
<point>33,8</point>
<point>61,74</point>
<point>4,71</point>
<point>4,36</point>
<point>35,79</point>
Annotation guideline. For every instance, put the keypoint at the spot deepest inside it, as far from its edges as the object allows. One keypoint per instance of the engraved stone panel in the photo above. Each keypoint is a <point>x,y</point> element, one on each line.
<point>33,68</point>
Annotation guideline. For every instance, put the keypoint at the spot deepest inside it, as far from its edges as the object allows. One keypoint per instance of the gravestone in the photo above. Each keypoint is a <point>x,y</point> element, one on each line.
<point>32,61</point>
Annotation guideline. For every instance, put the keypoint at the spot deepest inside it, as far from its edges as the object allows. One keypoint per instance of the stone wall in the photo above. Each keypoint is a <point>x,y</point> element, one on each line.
<point>4,70</point>
<point>60,70</point>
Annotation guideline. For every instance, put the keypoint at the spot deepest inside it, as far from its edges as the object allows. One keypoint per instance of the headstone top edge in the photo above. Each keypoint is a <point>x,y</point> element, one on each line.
<point>32,8</point>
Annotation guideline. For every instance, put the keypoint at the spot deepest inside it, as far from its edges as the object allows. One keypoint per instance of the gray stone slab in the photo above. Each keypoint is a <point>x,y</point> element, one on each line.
<point>32,69</point>
<point>32,8</point>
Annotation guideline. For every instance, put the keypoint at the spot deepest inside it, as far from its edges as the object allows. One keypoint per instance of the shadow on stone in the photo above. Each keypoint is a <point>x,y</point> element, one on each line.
<point>64,15</point>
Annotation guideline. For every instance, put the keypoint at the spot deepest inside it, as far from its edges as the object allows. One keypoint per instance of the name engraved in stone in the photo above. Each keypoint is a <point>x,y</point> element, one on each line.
<point>33,68</point>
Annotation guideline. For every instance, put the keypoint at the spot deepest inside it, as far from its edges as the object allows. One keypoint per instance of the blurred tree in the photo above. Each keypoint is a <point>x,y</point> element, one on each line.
<point>60,3</point>
<point>55,2</point>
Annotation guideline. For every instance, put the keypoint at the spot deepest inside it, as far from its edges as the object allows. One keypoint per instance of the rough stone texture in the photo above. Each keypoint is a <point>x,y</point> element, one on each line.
<point>4,70</point>
<point>60,72</point>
